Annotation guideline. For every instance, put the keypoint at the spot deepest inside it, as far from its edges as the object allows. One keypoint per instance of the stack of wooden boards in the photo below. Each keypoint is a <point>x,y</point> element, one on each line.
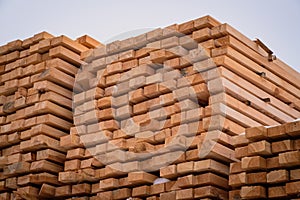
<point>37,77</point>
<point>154,115</point>
<point>270,163</point>
<point>178,93</point>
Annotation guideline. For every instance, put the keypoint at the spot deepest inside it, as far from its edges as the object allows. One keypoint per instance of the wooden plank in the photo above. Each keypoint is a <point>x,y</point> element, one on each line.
<point>201,35</point>
<point>47,190</point>
<point>44,46</point>
<point>282,146</point>
<point>81,189</point>
<point>292,128</point>
<point>253,192</point>
<point>50,86</point>
<point>127,56</point>
<point>11,183</point>
<point>213,150</point>
<point>41,36</point>
<point>12,56</point>
<point>211,179</point>
<point>56,98</point>
<point>273,163</point>
<point>63,191</point>
<point>122,193</point>
<point>256,133</point>
<point>77,153</point>
<point>107,195</point>
<point>240,140</point>
<point>276,132</point>
<point>187,181</point>
<point>9,87</point>
<point>168,171</point>
<point>262,148</point>
<point>68,43</point>
<point>14,45</point>
<point>3,161</point>
<point>46,130</point>
<point>14,158</point>
<point>237,180</point>
<point>31,60</point>
<point>28,192</point>
<point>141,191</point>
<point>46,107</point>
<point>40,142</point>
<point>88,41</point>
<point>285,67</point>
<point>297,144</point>
<point>167,195</point>
<point>185,194</point>
<point>210,192</point>
<point>16,168</point>
<point>291,158</point>
<point>186,27</point>
<point>253,163</point>
<point>5,195</point>
<point>68,177</point>
<point>109,184</point>
<point>65,54</point>
<point>56,76</point>
<point>70,141</point>
<point>215,136</point>
<point>141,177</point>
<point>14,137</point>
<point>278,176</point>
<point>206,21</point>
<point>236,167</point>
<point>72,165</point>
<point>292,188</point>
<point>45,166</point>
<point>295,174</point>
<point>62,66</point>
<point>241,152</point>
<point>185,168</point>
<point>157,188</point>
<point>256,178</point>
<point>234,194</point>
<point>4,49</point>
<point>54,121</point>
<point>51,155</point>
<point>38,179</point>
<point>11,150</point>
<point>276,192</point>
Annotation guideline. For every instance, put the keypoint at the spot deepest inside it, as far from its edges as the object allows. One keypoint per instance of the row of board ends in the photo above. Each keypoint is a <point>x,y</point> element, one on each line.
<point>91,43</point>
<point>19,45</point>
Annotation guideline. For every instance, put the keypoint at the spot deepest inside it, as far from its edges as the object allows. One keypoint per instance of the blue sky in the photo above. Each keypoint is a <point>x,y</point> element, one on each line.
<point>275,22</point>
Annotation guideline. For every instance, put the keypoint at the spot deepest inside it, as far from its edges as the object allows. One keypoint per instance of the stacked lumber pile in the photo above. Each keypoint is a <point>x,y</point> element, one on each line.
<point>154,114</point>
<point>270,163</point>
<point>152,117</point>
<point>36,86</point>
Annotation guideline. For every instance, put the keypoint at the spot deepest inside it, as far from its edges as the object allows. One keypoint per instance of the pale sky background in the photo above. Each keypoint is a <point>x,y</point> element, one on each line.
<point>275,22</point>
